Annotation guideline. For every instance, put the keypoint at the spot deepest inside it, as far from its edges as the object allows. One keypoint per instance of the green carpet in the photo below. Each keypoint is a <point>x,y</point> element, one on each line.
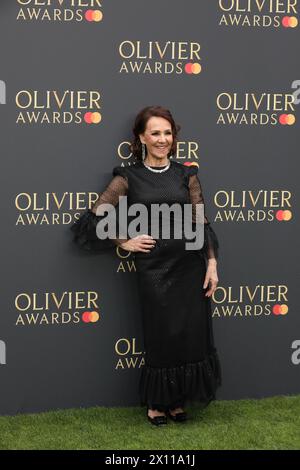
<point>271,423</point>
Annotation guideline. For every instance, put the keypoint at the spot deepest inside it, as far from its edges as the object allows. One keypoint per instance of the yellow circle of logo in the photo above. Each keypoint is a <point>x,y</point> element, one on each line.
<point>196,68</point>
<point>287,215</point>
<point>96,118</point>
<point>290,119</point>
<point>94,316</point>
<point>293,22</point>
<point>284,309</point>
<point>97,15</point>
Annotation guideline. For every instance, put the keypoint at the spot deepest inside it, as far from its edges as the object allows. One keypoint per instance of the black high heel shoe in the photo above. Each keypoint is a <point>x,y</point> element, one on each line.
<point>178,417</point>
<point>157,420</point>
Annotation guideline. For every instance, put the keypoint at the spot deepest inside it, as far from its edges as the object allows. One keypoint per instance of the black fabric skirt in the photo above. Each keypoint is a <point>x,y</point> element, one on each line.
<point>181,361</point>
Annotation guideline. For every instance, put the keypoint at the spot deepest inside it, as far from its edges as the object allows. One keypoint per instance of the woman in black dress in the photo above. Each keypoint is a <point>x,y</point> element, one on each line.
<point>175,284</point>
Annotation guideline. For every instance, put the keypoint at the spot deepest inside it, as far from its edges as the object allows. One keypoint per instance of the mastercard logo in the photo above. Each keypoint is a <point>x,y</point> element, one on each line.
<point>191,164</point>
<point>92,118</point>
<point>93,15</point>
<point>191,68</point>
<point>287,119</point>
<point>283,215</point>
<point>280,309</point>
<point>289,21</point>
<point>90,317</point>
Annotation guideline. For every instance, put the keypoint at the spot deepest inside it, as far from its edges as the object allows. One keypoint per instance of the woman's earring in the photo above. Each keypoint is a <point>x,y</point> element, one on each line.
<point>143,152</point>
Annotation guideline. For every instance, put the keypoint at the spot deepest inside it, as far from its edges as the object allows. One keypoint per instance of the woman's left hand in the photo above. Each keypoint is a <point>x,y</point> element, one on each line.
<point>211,277</point>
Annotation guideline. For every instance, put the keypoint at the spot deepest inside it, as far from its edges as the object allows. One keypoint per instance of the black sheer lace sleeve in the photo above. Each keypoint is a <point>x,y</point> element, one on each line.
<point>84,228</point>
<point>211,244</point>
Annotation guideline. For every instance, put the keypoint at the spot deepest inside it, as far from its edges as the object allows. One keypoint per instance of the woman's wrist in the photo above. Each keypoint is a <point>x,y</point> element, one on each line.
<point>212,261</point>
<point>120,241</point>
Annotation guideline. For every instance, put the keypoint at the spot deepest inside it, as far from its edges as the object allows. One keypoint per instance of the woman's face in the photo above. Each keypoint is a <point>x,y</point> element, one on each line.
<point>157,137</point>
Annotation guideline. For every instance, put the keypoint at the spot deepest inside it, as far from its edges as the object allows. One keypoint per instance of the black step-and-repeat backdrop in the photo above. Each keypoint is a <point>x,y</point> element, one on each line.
<point>73,75</point>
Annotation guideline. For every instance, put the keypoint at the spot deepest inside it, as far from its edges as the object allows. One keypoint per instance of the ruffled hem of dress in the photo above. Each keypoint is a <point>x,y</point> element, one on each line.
<point>210,243</point>
<point>169,387</point>
<point>85,236</point>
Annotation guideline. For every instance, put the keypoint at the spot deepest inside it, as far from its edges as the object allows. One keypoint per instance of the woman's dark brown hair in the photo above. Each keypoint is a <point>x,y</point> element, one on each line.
<point>140,125</point>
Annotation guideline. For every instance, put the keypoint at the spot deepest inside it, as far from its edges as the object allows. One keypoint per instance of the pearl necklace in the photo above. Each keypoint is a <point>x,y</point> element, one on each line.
<point>157,171</point>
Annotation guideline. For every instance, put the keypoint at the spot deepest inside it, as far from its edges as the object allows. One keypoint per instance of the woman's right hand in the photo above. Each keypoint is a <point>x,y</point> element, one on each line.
<point>142,243</point>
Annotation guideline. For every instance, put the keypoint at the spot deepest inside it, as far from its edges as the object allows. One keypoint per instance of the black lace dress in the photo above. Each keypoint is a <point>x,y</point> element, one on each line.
<point>181,361</point>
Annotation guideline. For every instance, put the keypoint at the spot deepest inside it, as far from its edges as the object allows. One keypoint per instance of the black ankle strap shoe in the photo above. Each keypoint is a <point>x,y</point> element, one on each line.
<point>178,417</point>
<point>157,420</point>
